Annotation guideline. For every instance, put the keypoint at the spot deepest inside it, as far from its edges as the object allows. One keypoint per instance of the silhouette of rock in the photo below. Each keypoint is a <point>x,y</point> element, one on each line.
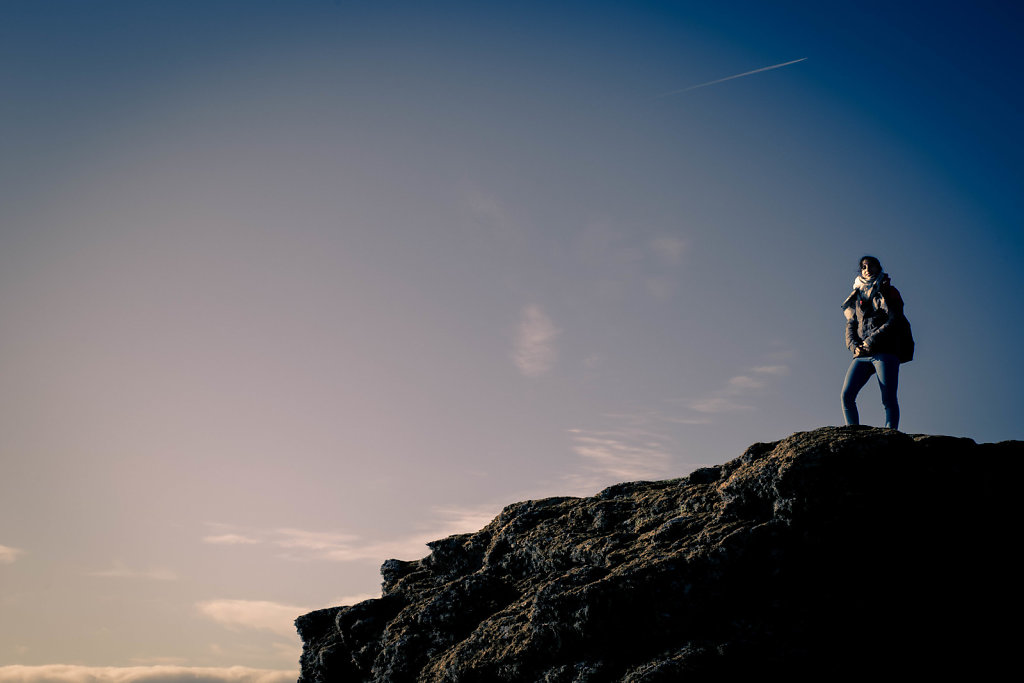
<point>834,553</point>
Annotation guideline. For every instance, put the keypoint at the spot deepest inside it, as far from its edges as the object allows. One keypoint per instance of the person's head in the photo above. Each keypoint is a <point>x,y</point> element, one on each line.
<point>869,267</point>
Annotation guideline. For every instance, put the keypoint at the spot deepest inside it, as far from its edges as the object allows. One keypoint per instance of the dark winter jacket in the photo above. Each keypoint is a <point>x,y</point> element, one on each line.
<point>879,324</point>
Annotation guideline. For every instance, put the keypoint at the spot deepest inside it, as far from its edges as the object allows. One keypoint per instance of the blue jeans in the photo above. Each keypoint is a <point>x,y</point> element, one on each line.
<point>886,367</point>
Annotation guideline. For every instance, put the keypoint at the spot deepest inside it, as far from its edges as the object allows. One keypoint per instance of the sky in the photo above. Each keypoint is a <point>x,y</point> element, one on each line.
<point>291,288</point>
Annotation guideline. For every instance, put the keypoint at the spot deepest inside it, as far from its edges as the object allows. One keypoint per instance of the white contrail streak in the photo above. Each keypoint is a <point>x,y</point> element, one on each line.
<point>729,78</point>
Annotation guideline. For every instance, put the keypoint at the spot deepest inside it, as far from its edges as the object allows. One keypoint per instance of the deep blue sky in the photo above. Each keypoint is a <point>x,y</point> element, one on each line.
<point>289,288</point>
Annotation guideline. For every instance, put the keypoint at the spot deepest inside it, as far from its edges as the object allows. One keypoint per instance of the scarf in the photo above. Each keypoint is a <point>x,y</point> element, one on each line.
<point>866,289</point>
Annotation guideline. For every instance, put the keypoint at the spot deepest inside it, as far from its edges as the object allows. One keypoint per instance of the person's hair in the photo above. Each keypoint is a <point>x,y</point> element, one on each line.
<point>872,260</point>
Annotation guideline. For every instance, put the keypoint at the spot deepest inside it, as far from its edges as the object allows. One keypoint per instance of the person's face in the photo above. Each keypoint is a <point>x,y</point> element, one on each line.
<point>868,269</point>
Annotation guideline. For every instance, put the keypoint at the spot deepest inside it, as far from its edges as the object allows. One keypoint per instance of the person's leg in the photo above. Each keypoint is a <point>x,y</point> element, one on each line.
<point>857,376</point>
<point>887,369</point>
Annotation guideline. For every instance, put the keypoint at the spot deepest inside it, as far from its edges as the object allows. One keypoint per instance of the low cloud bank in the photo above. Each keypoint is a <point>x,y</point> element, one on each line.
<point>71,673</point>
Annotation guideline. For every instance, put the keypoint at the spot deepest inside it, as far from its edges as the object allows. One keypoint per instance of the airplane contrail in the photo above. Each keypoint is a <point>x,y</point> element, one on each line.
<point>729,78</point>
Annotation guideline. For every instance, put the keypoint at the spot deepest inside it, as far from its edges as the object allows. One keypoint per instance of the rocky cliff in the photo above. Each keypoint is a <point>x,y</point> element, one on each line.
<point>840,552</point>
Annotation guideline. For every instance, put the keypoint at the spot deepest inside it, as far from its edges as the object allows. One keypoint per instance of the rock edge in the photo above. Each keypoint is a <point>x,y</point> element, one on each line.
<point>836,552</point>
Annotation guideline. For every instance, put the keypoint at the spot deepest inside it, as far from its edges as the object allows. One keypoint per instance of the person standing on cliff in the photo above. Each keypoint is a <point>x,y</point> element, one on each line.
<point>879,336</point>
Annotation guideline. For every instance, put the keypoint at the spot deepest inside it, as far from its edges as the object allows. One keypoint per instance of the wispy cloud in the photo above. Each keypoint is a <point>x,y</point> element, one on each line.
<point>718,404</point>
<point>743,383</point>
<point>654,417</point>
<point>490,214</point>
<point>455,519</point>
<point>120,570</point>
<point>774,370</point>
<point>729,78</point>
<point>641,444</point>
<point>534,350</point>
<point>230,539</point>
<point>619,261</point>
<point>303,545</point>
<point>354,598</point>
<point>253,614</point>
<point>69,673</point>
<point>669,250</point>
<point>497,228</point>
<point>732,397</point>
<point>8,555</point>
<point>624,454</point>
<point>444,521</point>
<point>306,545</point>
<point>315,541</point>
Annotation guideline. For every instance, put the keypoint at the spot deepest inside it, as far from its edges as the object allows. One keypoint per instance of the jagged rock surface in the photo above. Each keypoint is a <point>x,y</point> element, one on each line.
<point>837,552</point>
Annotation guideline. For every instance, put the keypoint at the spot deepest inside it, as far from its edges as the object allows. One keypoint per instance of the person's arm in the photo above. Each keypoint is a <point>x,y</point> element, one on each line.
<point>894,307</point>
<point>852,338</point>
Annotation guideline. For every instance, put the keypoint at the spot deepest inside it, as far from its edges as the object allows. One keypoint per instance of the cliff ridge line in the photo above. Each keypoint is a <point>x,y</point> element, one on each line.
<point>835,552</point>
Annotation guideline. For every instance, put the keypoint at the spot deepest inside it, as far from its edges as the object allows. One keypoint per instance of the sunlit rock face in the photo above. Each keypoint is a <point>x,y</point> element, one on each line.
<point>840,552</point>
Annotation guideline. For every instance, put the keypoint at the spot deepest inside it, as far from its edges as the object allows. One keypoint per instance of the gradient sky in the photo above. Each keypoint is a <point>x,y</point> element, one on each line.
<point>289,288</point>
